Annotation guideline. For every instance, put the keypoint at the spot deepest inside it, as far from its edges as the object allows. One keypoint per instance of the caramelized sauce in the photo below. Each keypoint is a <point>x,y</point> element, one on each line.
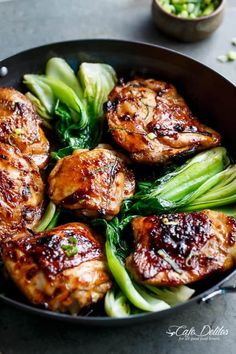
<point>48,251</point>
<point>179,235</point>
<point>232,235</point>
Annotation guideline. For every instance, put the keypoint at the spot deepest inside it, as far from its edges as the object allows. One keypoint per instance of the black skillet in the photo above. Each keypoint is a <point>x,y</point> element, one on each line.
<point>210,96</point>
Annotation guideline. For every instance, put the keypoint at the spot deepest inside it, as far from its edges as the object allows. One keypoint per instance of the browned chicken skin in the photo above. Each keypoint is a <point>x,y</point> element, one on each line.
<point>182,248</point>
<point>21,192</point>
<point>20,126</point>
<point>63,269</point>
<point>92,182</point>
<point>150,120</point>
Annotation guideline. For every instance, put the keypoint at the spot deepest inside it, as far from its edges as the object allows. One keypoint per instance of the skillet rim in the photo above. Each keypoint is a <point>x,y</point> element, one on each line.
<point>98,320</point>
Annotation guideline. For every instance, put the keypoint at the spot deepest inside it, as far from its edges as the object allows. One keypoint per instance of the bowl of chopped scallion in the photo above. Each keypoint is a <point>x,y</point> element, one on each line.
<point>188,20</point>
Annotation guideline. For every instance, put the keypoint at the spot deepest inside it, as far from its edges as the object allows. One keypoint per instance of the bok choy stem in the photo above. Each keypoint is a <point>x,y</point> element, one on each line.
<point>53,223</point>
<point>75,102</point>
<point>49,218</point>
<point>198,170</point>
<point>221,193</point>
<point>116,304</point>
<point>42,91</point>
<point>139,297</point>
<point>40,108</point>
<point>188,185</point>
<point>60,70</point>
<point>62,92</point>
<point>172,295</point>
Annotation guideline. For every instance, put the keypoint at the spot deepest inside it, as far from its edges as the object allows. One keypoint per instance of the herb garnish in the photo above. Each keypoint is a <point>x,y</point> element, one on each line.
<point>71,249</point>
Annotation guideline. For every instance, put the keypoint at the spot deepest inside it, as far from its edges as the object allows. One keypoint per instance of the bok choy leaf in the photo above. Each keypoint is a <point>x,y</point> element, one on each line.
<point>61,92</point>
<point>74,102</point>
<point>60,70</point>
<point>40,108</point>
<point>116,252</point>
<point>172,295</point>
<point>42,91</point>
<point>97,81</point>
<point>49,219</point>
<point>116,304</point>
<point>183,186</point>
<point>130,297</point>
<point>222,191</point>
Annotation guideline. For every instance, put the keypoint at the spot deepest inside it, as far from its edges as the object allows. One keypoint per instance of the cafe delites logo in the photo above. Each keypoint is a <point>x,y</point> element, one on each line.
<point>206,332</point>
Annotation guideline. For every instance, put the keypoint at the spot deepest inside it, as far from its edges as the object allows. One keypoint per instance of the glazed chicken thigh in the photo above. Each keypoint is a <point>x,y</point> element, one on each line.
<point>182,248</point>
<point>150,120</point>
<point>20,126</point>
<point>92,182</point>
<point>21,192</point>
<point>63,269</point>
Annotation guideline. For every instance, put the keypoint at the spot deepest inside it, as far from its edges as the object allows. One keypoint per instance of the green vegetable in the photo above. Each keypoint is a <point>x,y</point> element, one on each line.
<point>222,191</point>
<point>222,58</point>
<point>172,295</point>
<point>59,154</point>
<point>60,70</point>
<point>54,221</point>
<point>231,55</point>
<point>70,250</point>
<point>192,174</point>
<point>97,81</point>
<point>180,187</point>
<point>42,91</point>
<point>233,41</point>
<point>76,103</point>
<point>189,8</point>
<point>116,304</point>
<point>40,108</point>
<point>47,217</point>
<point>131,298</point>
<point>208,10</point>
<point>205,181</point>
<point>61,92</point>
<point>115,252</point>
<point>72,240</point>
<point>69,132</point>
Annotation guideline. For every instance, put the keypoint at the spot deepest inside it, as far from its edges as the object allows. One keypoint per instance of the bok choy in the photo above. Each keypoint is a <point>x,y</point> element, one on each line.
<point>116,304</point>
<point>218,191</point>
<point>49,219</point>
<point>74,103</point>
<point>97,80</point>
<point>204,181</point>
<point>116,252</point>
<point>130,297</point>
<point>172,295</point>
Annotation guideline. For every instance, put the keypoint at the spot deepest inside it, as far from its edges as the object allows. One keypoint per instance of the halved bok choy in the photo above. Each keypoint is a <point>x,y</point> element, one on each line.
<point>204,181</point>
<point>74,103</point>
<point>128,297</point>
<point>49,219</point>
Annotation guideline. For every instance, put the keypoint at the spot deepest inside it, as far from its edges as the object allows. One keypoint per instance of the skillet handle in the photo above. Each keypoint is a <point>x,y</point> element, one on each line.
<point>221,291</point>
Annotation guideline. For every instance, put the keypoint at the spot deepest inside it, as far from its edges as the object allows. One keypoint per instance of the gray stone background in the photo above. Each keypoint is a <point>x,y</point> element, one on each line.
<point>29,23</point>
